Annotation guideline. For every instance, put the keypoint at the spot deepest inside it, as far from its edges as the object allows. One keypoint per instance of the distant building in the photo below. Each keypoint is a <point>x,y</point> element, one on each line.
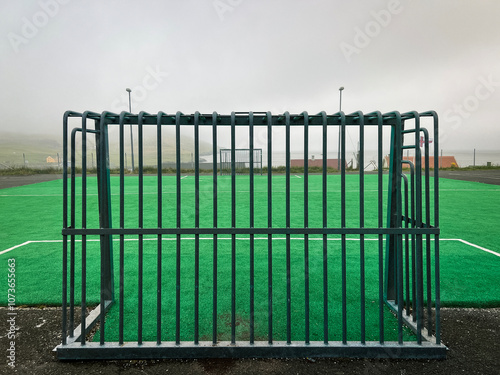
<point>50,159</point>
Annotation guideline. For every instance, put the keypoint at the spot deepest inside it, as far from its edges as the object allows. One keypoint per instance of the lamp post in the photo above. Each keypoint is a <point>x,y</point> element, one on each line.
<point>340,110</point>
<point>131,134</point>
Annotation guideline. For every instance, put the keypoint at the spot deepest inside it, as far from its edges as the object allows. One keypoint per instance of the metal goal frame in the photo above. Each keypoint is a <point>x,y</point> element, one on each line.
<point>408,237</point>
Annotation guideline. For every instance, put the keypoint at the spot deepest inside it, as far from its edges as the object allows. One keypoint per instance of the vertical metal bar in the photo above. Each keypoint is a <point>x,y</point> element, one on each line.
<point>413,242</point>
<point>407,244</point>
<point>306,225</point>
<point>84,225</point>
<point>72,241</point>
<point>122,226</point>
<point>399,238</point>
<point>380,225</point>
<point>436,237</point>
<point>270,225</point>
<point>252,239</point>
<point>65,226</point>
<point>197,225</point>
<point>105,220</point>
<point>361,225</point>
<point>287,209</point>
<point>390,278</point>
<point>343,225</point>
<point>141,225</point>
<point>101,156</point>
<point>418,224</point>
<point>178,236</point>
<point>233,225</point>
<point>410,239</point>
<point>215,224</point>
<point>325,225</point>
<point>159,221</point>
<point>428,236</point>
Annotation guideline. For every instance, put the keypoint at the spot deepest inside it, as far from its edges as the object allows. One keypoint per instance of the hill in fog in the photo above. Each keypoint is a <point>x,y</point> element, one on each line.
<point>38,147</point>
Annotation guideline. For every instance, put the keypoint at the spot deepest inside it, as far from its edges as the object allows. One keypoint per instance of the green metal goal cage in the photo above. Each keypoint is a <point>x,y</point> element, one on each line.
<point>276,265</point>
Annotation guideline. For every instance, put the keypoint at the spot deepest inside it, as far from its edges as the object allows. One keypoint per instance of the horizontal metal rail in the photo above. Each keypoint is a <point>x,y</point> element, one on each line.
<point>370,119</point>
<point>261,349</point>
<point>230,231</point>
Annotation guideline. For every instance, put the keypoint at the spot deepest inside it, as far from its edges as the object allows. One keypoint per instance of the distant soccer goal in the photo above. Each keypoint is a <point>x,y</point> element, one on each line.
<point>242,161</point>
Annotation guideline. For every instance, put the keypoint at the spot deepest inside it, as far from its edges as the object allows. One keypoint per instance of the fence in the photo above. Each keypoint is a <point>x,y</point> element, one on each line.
<point>276,267</point>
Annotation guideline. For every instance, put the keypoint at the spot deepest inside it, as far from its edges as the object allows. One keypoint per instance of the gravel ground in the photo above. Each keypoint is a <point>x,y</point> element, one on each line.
<point>472,336</point>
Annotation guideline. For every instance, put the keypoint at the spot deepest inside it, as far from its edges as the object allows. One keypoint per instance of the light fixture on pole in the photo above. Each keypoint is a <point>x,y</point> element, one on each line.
<point>340,110</point>
<point>131,134</point>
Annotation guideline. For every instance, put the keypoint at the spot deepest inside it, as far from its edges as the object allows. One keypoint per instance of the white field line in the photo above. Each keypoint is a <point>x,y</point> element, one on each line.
<point>238,191</point>
<point>32,195</point>
<point>15,247</point>
<point>480,247</point>
<point>247,239</point>
<point>485,190</point>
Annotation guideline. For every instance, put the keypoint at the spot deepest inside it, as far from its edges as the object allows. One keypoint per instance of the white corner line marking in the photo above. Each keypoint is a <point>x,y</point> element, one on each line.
<point>15,247</point>
<point>479,247</point>
<point>245,239</point>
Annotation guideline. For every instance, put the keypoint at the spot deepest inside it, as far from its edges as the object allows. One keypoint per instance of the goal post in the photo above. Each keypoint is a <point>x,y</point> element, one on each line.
<point>241,161</point>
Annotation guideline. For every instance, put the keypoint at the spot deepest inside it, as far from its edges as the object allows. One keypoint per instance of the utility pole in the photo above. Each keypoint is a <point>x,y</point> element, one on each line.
<point>340,110</point>
<point>131,134</point>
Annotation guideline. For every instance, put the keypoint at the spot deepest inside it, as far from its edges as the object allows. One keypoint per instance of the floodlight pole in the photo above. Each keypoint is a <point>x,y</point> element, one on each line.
<point>131,134</point>
<point>340,110</point>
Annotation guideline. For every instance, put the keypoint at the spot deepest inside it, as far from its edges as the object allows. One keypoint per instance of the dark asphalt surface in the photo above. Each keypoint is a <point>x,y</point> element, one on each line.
<point>13,181</point>
<point>487,176</point>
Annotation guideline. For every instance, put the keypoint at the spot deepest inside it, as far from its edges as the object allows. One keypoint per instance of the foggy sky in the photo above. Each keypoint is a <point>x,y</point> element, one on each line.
<point>259,55</point>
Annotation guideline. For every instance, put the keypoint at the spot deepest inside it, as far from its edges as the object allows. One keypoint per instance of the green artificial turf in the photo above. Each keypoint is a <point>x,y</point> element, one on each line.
<point>168,286</point>
<point>469,276</point>
<point>31,212</point>
<point>470,211</point>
